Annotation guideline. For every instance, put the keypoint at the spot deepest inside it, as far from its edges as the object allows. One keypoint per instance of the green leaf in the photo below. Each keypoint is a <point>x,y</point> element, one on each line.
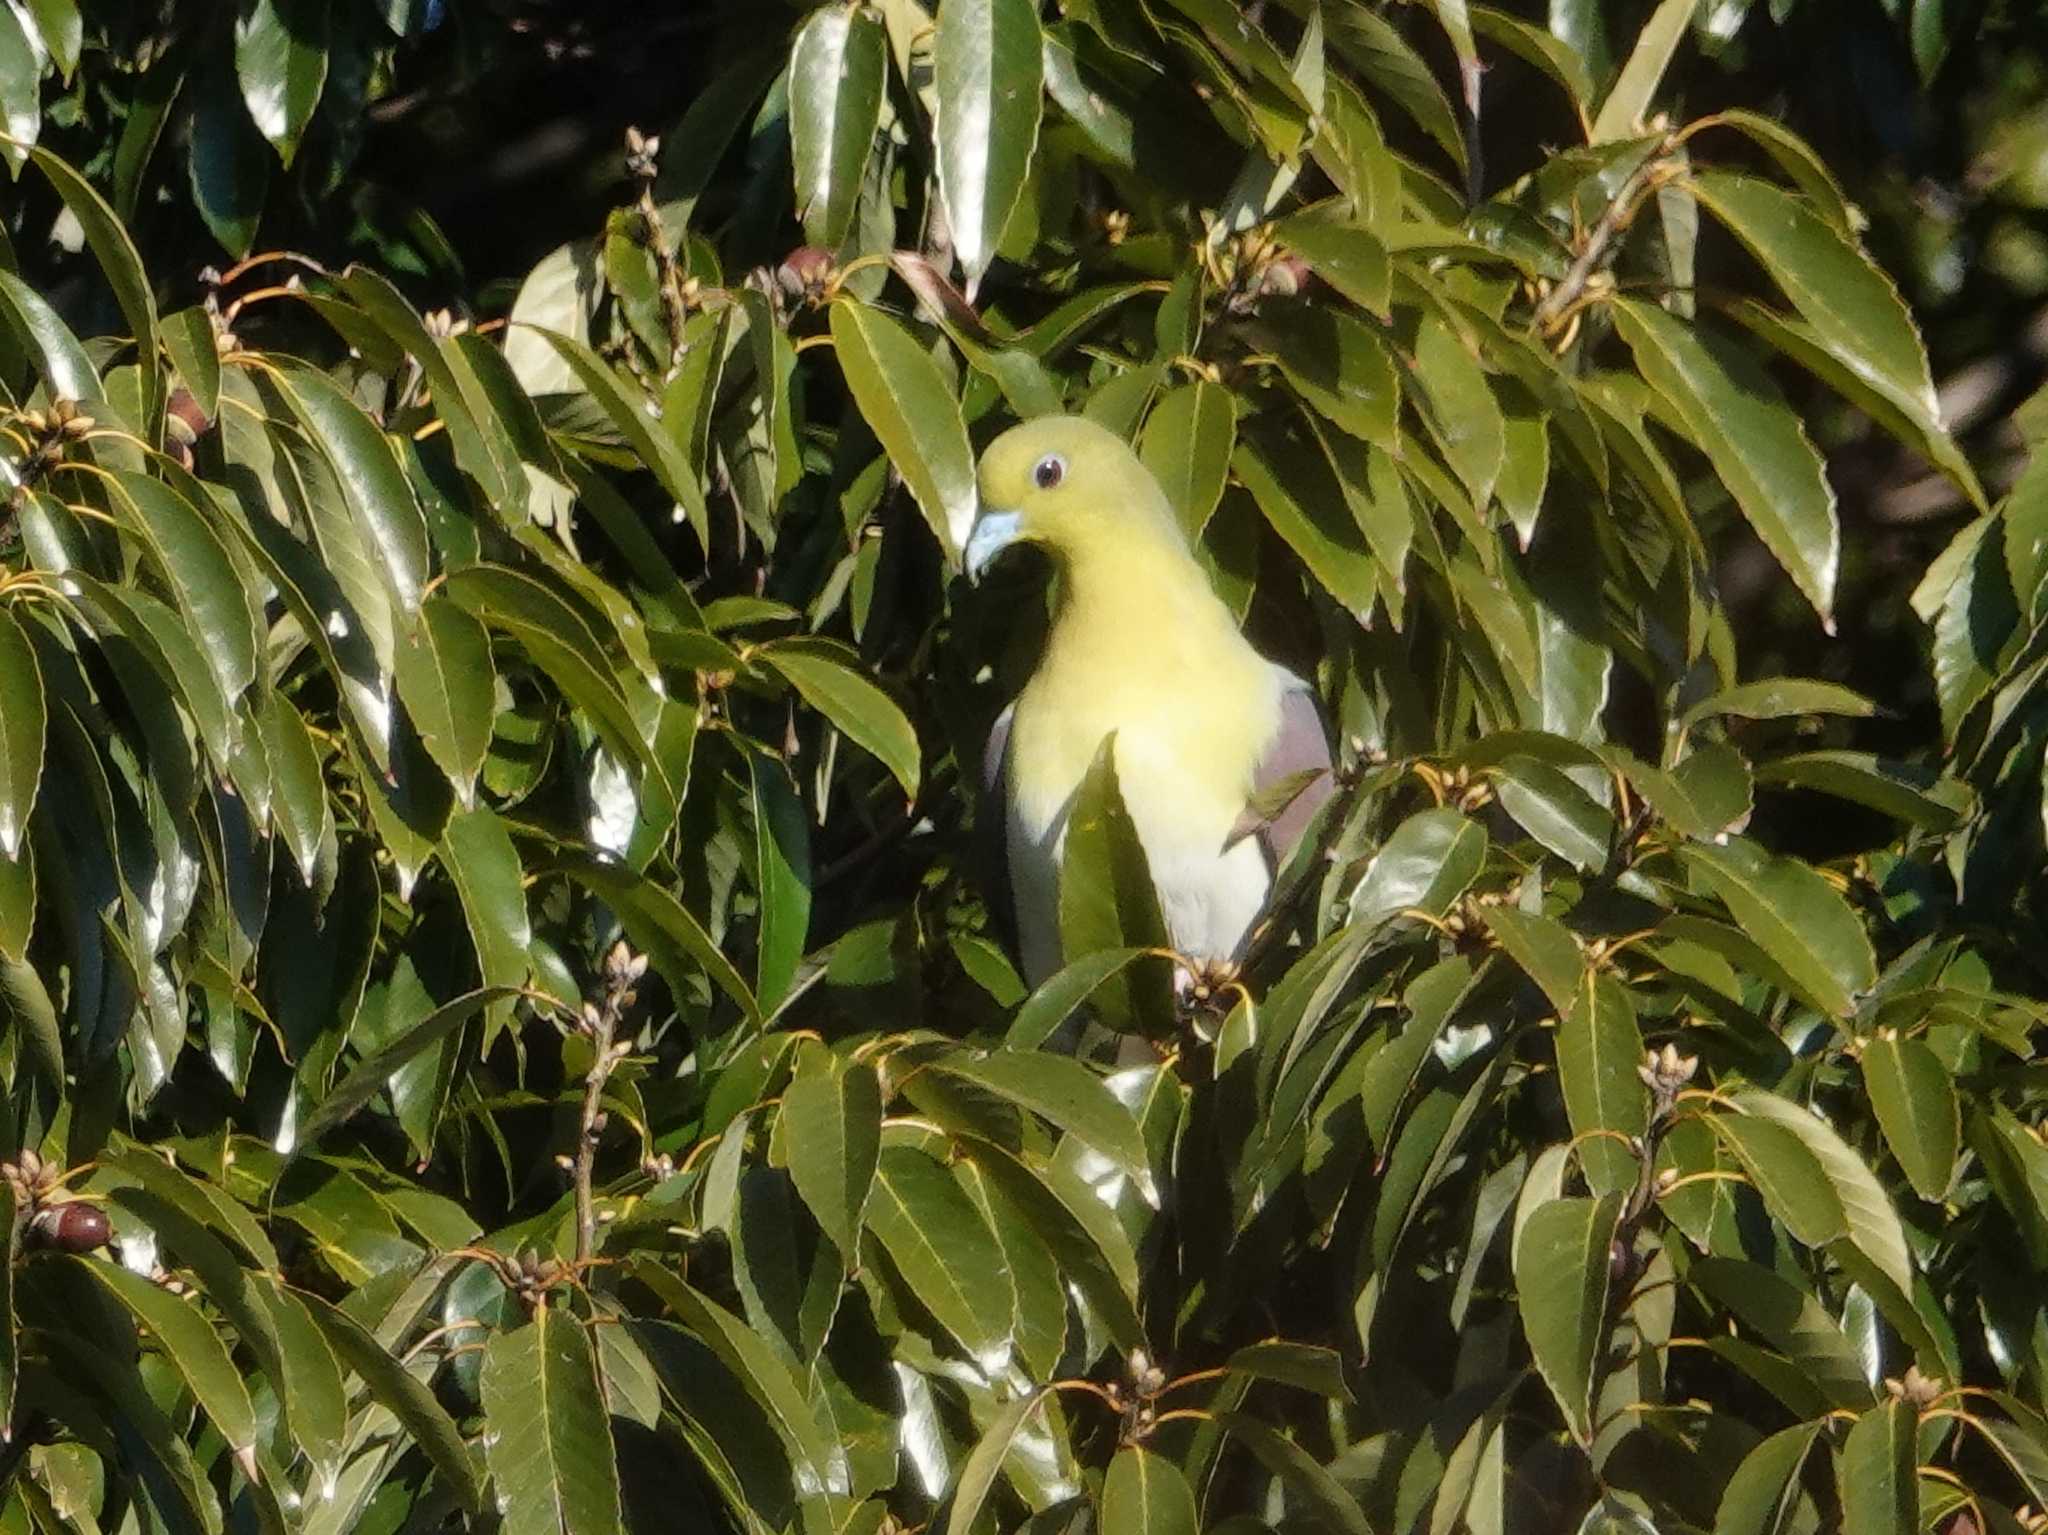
<point>1107,899</point>
<point>379,494</point>
<point>1064,991</point>
<point>485,866</point>
<point>1599,1049</point>
<point>1764,1489</point>
<point>1427,863</point>
<point>1332,1502</point>
<point>57,354</point>
<point>1794,915</point>
<point>1735,412</point>
<point>1349,258</point>
<point>446,681</point>
<point>658,450</point>
<point>984,1463</point>
<point>188,1341</point>
<point>1339,365</point>
<point>1794,1185</point>
<point>1874,1226</point>
<point>937,1239</point>
<point>1777,698</point>
<point>1878,1473</point>
<point>1459,408</point>
<point>837,68</point>
<point>548,1441</point>
<point>827,674</point>
<point>987,63</point>
<point>404,1395</point>
<point>373,1074</point>
<point>299,807</point>
<point>817,1459</point>
<point>1914,1097</point>
<point>22,722</point>
<point>907,402</point>
<point>1561,1271</point>
<point>1626,110</point>
<point>1551,806</point>
<point>1063,1091</point>
<point>1847,299</point>
<point>10,1342</point>
<point>660,926</point>
<point>1187,445</point>
<point>209,589</point>
<point>1906,791</point>
<point>558,639</point>
<point>21,99</point>
<point>832,1125</point>
<point>1146,1494</point>
<point>782,855</point>
<point>281,60</point>
<point>188,338</point>
<point>229,162</point>
<point>114,248</point>
<point>1544,948</point>
<point>1299,494</point>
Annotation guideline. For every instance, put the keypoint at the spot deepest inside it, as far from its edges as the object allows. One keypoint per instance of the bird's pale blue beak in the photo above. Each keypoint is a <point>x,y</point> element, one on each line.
<point>994,531</point>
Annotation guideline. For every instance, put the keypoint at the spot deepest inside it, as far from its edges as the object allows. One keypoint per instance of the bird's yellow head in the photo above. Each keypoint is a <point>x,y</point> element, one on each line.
<point>1069,486</point>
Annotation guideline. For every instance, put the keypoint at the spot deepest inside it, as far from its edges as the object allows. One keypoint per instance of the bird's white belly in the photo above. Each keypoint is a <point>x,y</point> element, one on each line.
<point>1209,894</point>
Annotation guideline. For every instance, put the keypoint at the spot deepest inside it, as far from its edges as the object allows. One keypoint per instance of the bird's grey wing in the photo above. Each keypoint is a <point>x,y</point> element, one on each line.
<point>992,831</point>
<point>1296,770</point>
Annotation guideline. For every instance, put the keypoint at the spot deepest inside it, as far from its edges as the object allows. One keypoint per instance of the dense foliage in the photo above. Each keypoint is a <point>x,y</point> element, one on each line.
<point>502,1020</point>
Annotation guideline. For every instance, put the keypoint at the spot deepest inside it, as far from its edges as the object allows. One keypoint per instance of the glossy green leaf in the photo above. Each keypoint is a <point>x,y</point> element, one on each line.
<point>1460,408</point>
<point>1187,446</point>
<point>380,497</point>
<point>1425,865</point>
<point>1764,1489</point>
<point>1339,366</point>
<point>281,61</point>
<point>1914,1098</point>
<point>984,1463</point>
<point>1626,110</point>
<point>209,589</point>
<point>374,1073</point>
<point>1874,1225</point>
<point>113,247</point>
<point>548,1444</point>
<point>1737,415</point>
<point>444,675</point>
<point>1599,1048</point>
<point>1847,299</point>
<point>1798,918</point>
<point>1878,1472</point>
<point>832,1122</point>
<point>942,1246</point>
<point>187,1341</point>
<point>1148,1495</point>
<point>987,57</point>
<point>22,717</point>
<point>1794,1186</point>
<point>906,401</point>
<point>1063,1091</point>
<point>1334,1505</point>
<point>405,1396</point>
<point>10,1340</point>
<point>657,450</point>
<point>1349,258</point>
<point>1107,899</point>
<point>837,67</point>
<point>486,869</point>
<point>1561,1271</point>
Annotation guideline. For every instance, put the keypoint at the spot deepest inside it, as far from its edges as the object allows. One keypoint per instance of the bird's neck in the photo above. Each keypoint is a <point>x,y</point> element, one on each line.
<point>1142,601</point>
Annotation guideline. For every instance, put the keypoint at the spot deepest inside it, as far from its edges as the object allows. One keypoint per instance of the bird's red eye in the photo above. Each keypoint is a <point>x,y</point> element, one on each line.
<point>1048,472</point>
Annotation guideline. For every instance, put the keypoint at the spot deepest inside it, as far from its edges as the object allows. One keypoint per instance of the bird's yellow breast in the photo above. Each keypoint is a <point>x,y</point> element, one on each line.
<point>1158,661</point>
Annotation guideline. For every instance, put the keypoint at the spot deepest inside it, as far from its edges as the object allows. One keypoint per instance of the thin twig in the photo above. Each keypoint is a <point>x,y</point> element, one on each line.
<point>600,1024</point>
<point>1561,300</point>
